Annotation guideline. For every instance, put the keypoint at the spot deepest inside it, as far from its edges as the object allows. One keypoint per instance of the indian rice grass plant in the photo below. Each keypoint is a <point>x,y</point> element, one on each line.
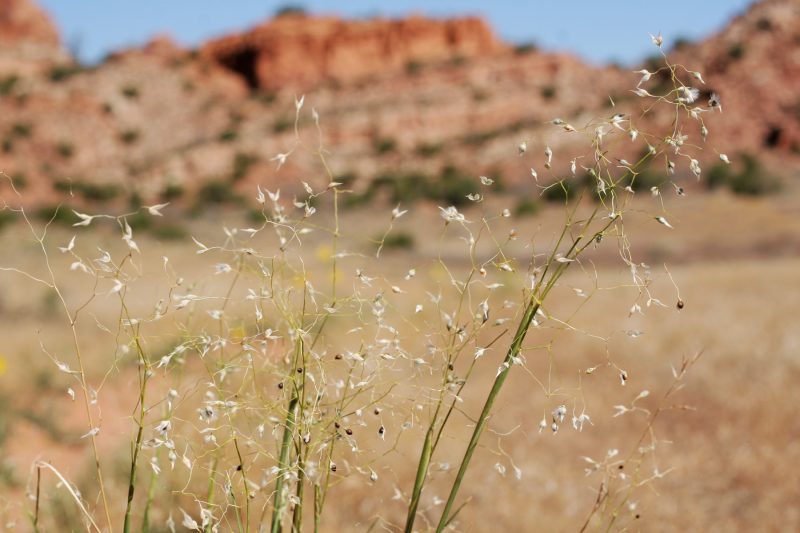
<point>311,375</point>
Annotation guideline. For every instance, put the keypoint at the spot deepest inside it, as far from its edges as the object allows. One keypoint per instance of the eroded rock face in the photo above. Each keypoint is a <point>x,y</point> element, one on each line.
<point>302,51</point>
<point>754,65</point>
<point>157,117</point>
<point>28,38</point>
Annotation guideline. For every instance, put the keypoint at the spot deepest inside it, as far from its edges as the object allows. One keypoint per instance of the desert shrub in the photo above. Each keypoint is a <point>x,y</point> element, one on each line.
<point>736,51</point>
<point>19,180</point>
<point>60,73</point>
<point>522,49</point>
<point>414,67</point>
<point>647,178</point>
<point>290,9</point>
<point>526,207</point>
<point>549,92</point>
<point>753,179</point>
<point>215,192</point>
<point>398,241</point>
<point>452,186</point>
<point>228,136</point>
<point>266,98</point>
<point>242,162</point>
<point>131,92</point>
<point>428,149</point>
<point>457,61</point>
<point>282,124</point>
<point>169,232</point>
<point>65,149</point>
<point>750,180</point>
<point>384,145</point>
<point>172,191</point>
<point>22,130</point>
<point>98,192</point>
<point>7,218</point>
<point>681,43</point>
<point>130,136</point>
<point>59,214</point>
<point>764,24</point>
<point>7,84</point>
<point>563,190</point>
<point>140,221</point>
<point>93,192</point>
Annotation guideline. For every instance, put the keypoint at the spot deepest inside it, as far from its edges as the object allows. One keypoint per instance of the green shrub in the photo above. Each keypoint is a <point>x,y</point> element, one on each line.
<point>63,72</point>
<point>19,180</point>
<point>736,51</point>
<point>215,192</point>
<point>21,130</point>
<point>290,9</point>
<point>6,218</point>
<point>93,192</point>
<point>681,43</point>
<point>525,48</point>
<point>98,192</point>
<point>65,149</point>
<point>720,175</point>
<point>561,191</point>
<point>131,92</point>
<point>549,92</point>
<point>282,124</point>
<point>646,179</point>
<point>129,136</point>
<point>140,221</point>
<point>58,214</point>
<point>7,84</point>
<point>266,98</point>
<point>228,136</point>
<point>526,207</point>
<point>241,164</point>
<point>414,67</point>
<point>428,149</point>
<point>169,232</point>
<point>135,200</point>
<point>453,186</point>
<point>751,180</point>
<point>764,24</point>
<point>457,61</point>
<point>172,191</point>
<point>398,241</point>
<point>385,145</point>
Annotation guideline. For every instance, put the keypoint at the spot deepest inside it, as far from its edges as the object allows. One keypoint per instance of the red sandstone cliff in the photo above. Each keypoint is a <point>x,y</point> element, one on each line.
<point>435,92</point>
<point>302,51</point>
<point>28,37</point>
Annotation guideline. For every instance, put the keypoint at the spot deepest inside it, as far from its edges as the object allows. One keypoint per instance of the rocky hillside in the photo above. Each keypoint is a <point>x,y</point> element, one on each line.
<point>401,102</point>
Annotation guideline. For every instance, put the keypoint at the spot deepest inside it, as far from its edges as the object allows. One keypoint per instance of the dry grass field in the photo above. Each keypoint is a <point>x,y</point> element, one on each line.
<point>729,451</point>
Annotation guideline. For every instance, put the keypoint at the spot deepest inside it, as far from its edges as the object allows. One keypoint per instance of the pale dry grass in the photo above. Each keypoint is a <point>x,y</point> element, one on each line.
<point>734,457</point>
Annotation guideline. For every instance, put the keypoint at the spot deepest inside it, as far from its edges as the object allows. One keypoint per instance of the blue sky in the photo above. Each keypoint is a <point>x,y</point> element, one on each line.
<point>597,30</point>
